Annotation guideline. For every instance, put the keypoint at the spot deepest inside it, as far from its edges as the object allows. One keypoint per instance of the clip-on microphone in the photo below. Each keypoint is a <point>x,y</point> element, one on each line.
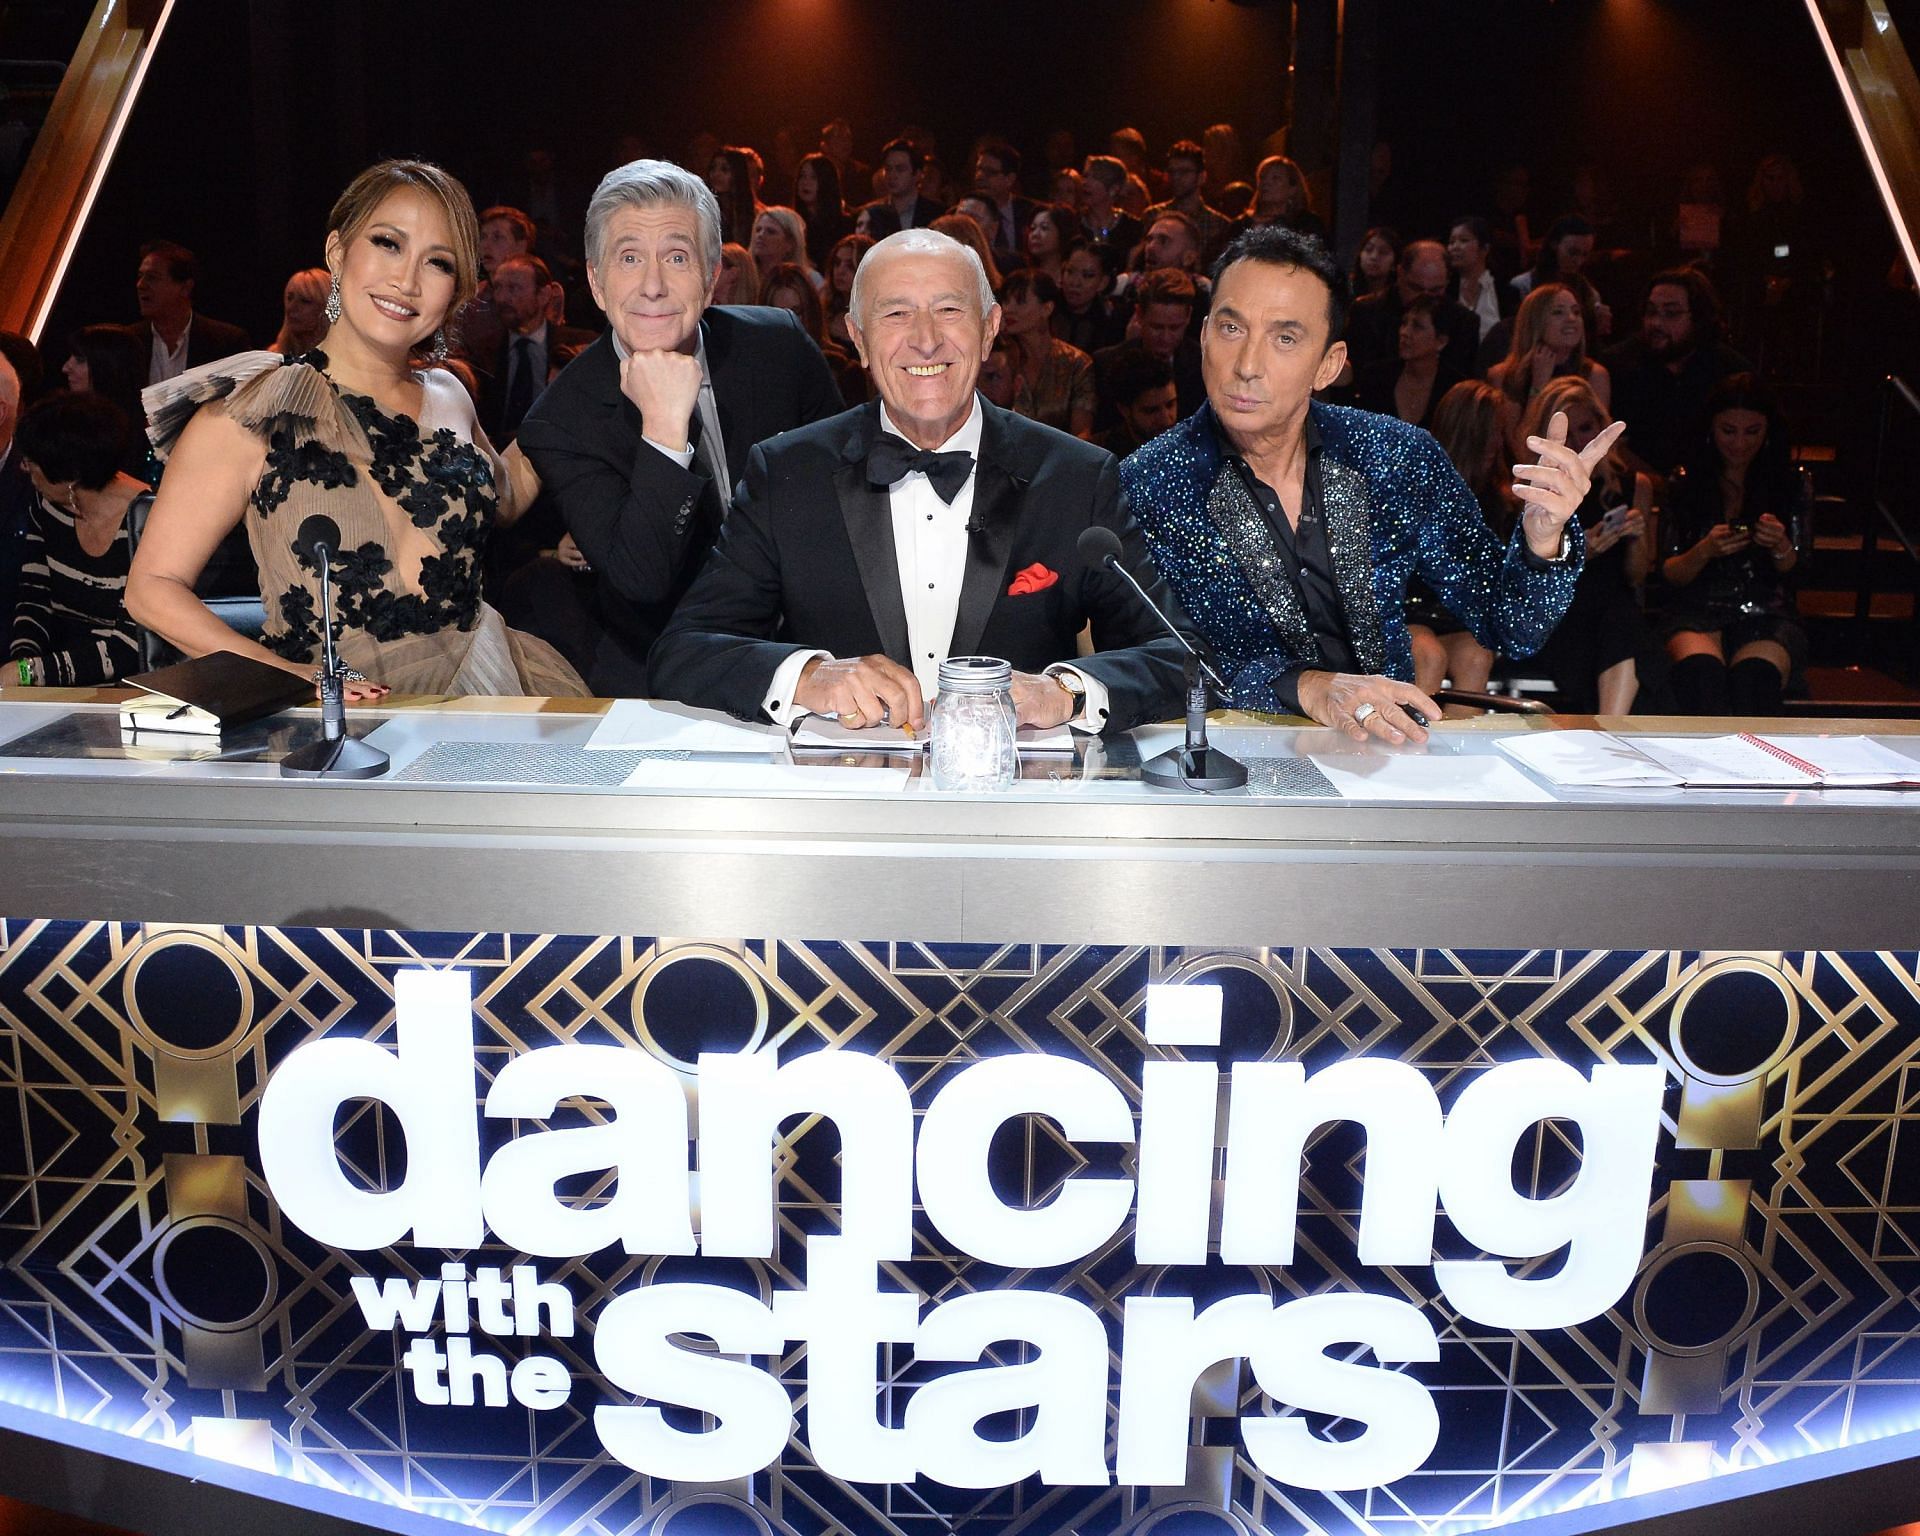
<point>336,755</point>
<point>1194,765</point>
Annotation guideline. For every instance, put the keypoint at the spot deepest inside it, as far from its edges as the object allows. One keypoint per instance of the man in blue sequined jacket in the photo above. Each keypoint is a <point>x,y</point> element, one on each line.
<point>1290,529</point>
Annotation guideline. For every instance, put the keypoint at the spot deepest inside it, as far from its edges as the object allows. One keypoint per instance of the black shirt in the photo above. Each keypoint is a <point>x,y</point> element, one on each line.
<point>1305,553</point>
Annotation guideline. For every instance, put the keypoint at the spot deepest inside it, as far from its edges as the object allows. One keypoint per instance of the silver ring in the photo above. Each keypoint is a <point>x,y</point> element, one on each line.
<point>1364,713</point>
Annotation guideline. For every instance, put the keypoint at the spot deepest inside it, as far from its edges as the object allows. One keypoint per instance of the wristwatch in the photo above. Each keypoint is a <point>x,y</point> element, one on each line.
<point>1075,685</point>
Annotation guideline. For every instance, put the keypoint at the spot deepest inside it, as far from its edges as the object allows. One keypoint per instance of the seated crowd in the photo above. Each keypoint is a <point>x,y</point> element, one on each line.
<point>550,466</point>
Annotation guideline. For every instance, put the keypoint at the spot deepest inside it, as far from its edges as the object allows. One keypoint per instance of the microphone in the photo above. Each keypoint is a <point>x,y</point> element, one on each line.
<point>1194,765</point>
<point>318,538</point>
<point>336,755</point>
<point>1100,545</point>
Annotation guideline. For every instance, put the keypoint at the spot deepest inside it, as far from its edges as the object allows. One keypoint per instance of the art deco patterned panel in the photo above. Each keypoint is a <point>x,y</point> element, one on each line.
<point>149,1285</point>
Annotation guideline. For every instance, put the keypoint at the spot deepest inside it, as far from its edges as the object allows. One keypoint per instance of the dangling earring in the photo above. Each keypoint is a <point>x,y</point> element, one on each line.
<point>333,301</point>
<point>439,352</point>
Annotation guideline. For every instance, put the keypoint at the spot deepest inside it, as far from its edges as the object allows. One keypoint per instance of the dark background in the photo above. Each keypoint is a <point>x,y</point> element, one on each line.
<point>255,114</point>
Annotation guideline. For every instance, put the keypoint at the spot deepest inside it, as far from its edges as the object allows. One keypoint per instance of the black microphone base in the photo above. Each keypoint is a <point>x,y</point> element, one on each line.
<point>347,758</point>
<point>1194,768</point>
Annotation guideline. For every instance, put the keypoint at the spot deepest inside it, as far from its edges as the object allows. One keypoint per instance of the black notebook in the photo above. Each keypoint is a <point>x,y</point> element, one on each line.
<point>205,695</point>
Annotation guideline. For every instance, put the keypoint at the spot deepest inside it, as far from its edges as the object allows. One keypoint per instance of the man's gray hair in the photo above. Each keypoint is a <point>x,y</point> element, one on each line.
<point>926,242</point>
<point>649,184</point>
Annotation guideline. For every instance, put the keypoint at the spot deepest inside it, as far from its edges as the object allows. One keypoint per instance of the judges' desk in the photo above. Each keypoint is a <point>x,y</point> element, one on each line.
<point>1395,1145</point>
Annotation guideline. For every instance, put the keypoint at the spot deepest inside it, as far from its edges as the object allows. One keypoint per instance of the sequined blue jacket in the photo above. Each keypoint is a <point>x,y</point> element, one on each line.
<point>1395,508</point>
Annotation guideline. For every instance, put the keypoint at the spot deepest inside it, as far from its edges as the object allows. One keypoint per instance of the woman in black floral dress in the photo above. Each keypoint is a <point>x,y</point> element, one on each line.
<point>389,451</point>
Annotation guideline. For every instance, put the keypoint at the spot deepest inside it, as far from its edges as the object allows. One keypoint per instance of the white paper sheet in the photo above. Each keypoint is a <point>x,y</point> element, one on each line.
<point>650,725</point>
<point>1420,776</point>
<point>1587,760</point>
<point>767,778</point>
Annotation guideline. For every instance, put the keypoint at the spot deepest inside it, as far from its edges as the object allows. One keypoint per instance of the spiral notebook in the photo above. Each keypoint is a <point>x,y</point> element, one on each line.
<point>1602,760</point>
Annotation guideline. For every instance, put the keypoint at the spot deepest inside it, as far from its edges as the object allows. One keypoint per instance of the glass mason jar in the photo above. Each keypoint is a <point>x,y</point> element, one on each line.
<point>972,744</point>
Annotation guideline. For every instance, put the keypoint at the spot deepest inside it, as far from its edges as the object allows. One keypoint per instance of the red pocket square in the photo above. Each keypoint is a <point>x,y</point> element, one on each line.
<point>1035,578</point>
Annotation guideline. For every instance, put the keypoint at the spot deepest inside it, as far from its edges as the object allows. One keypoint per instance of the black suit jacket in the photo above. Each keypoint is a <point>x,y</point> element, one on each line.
<point>208,339</point>
<point>806,562</point>
<point>644,523</point>
<point>493,371</point>
<point>883,221</point>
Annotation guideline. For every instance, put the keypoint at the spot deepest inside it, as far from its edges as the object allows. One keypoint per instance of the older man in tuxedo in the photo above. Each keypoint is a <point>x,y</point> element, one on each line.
<point>863,550</point>
<point>639,440</point>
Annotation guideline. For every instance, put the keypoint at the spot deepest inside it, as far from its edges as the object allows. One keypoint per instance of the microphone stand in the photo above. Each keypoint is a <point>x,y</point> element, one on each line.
<point>1194,765</point>
<point>336,755</point>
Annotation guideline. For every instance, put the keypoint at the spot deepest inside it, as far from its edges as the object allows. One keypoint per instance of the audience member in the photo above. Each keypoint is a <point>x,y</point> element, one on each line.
<point>362,435</point>
<point>1186,193</point>
<point>516,374</point>
<point>303,312</point>
<point>739,279</point>
<point>1471,283</point>
<point>638,442</point>
<point>1129,147</point>
<point>1245,504</point>
<point>1512,221</point>
<point>1048,233</point>
<point>1143,397</point>
<point>1373,262</point>
<point>1173,240</point>
<point>996,172</point>
<point>1603,655</point>
<point>1729,530</point>
<point>1562,257</point>
<point>174,335</point>
<point>836,143</point>
<point>820,200</point>
<point>842,262</point>
<point>1067,190</point>
<point>736,185</point>
<point>1085,315</point>
<point>996,373</point>
<point>902,205</point>
<point>1281,196</point>
<point>504,232</point>
<point>111,362</point>
<point>27,367</point>
<point>1103,179</point>
<point>788,288</point>
<point>1373,331</point>
<point>1163,311</point>
<point>935,184</point>
<point>1470,425</point>
<point>16,492</point>
<point>972,234</point>
<point>793,616</point>
<point>70,623</point>
<point>1410,384</point>
<point>1234,200</point>
<point>1549,342</point>
<point>1226,160</point>
<point>779,237</point>
<point>1663,376</point>
<point>1052,380</point>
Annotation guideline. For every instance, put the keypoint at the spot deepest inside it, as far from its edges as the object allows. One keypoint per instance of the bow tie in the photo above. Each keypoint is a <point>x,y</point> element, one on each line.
<point>892,459</point>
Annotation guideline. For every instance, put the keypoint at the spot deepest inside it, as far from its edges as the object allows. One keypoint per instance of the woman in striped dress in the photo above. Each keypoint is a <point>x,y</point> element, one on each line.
<point>70,625</point>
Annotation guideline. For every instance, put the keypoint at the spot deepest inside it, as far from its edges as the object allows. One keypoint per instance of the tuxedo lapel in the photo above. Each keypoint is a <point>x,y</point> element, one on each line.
<point>998,493</point>
<point>868,513</point>
<point>1344,495</point>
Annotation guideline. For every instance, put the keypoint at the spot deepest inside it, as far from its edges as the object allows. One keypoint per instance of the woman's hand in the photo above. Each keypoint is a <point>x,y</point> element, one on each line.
<point>568,554</point>
<point>1722,540</point>
<point>1772,536</point>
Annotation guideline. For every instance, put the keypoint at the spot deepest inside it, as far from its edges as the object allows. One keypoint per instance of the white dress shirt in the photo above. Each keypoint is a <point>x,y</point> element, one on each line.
<point>168,362</point>
<point>930,549</point>
<point>1484,301</point>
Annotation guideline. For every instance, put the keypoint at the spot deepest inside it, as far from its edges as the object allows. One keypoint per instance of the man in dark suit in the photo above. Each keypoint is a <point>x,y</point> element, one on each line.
<point>1373,329</point>
<point>175,335</point>
<point>639,440</point>
<point>903,207</point>
<point>864,550</point>
<point>996,172</point>
<point>516,373</point>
